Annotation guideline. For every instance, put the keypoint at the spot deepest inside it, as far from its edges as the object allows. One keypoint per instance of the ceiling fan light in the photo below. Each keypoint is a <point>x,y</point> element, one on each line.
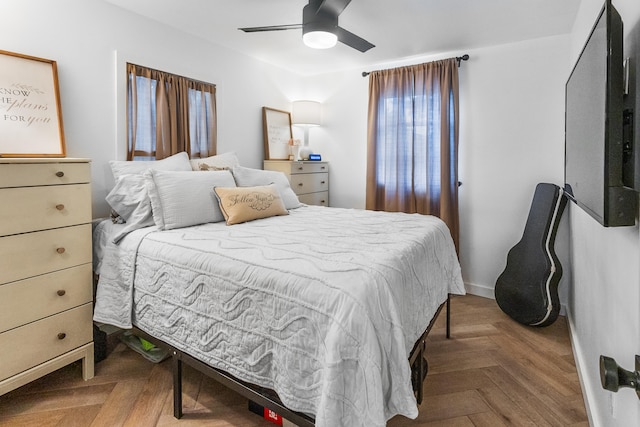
<point>320,39</point>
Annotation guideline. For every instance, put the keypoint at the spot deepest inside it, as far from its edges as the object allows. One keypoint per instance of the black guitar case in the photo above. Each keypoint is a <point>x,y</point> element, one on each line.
<point>527,289</point>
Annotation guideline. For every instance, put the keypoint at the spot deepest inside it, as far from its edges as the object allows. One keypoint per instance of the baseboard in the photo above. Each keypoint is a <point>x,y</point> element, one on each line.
<point>578,357</point>
<point>479,290</point>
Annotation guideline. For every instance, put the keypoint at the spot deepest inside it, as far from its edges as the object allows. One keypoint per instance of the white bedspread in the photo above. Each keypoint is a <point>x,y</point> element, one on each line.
<point>323,305</point>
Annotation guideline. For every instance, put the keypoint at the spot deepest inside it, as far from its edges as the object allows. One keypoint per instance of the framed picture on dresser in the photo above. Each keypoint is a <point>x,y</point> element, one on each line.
<point>30,110</point>
<point>276,125</point>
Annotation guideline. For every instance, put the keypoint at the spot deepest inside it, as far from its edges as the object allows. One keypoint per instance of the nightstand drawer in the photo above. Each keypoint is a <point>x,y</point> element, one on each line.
<point>30,254</point>
<point>37,342</point>
<point>320,199</point>
<point>31,174</point>
<point>31,299</point>
<point>308,167</point>
<point>39,208</point>
<point>310,183</point>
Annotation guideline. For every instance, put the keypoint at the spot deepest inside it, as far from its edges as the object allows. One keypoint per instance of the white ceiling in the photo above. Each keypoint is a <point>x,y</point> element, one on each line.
<point>399,28</point>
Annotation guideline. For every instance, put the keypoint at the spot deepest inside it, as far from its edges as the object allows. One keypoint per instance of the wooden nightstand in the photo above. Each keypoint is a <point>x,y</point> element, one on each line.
<point>309,179</point>
<point>46,292</point>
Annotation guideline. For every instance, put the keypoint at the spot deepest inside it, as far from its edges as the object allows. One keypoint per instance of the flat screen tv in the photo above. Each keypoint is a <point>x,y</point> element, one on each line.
<point>594,126</point>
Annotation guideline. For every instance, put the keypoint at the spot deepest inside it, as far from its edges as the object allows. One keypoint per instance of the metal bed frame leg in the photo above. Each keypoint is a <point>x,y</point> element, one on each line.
<point>421,372</point>
<point>448,316</point>
<point>177,385</point>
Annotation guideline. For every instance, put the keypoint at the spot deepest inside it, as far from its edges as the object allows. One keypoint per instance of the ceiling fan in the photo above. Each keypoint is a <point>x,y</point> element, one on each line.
<point>320,28</point>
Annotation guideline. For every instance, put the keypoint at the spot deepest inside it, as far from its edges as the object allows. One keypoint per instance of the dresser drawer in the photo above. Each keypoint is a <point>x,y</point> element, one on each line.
<point>290,168</point>
<point>310,183</point>
<point>320,199</point>
<point>39,208</point>
<point>54,173</point>
<point>308,167</point>
<point>31,299</point>
<point>37,342</point>
<point>31,254</point>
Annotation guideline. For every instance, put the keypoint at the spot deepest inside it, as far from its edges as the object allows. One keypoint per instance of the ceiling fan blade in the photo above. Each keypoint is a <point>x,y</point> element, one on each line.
<point>271,28</point>
<point>352,40</point>
<point>333,6</point>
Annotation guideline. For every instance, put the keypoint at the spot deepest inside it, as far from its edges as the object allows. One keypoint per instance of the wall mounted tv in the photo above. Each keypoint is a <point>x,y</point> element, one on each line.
<point>595,126</point>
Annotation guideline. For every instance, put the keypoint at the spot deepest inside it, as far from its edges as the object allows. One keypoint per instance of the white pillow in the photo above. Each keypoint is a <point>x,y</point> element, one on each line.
<point>129,198</point>
<point>247,177</point>
<point>180,199</point>
<point>218,162</point>
<point>177,162</point>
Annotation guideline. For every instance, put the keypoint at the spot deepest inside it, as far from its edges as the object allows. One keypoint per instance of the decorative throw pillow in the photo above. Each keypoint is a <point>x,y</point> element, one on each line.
<point>247,177</point>
<point>177,162</point>
<point>206,167</point>
<point>180,199</point>
<point>242,204</point>
<point>218,162</point>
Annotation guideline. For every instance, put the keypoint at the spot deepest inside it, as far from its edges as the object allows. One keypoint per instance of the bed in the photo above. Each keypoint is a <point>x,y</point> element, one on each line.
<point>324,308</point>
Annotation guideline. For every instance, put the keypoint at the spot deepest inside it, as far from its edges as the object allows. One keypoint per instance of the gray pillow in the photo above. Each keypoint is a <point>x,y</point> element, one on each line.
<point>181,199</point>
<point>247,177</point>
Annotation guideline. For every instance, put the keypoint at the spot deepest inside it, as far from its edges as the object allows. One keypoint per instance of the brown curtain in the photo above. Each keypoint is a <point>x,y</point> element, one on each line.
<point>168,114</point>
<point>412,159</point>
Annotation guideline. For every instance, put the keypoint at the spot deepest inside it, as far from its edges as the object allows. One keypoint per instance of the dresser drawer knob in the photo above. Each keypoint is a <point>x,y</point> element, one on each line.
<point>60,250</point>
<point>300,184</point>
<point>322,182</point>
<point>322,167</point>
<point>300,168</point>
<point>62,336</point>
<point>60,207</point>
<point>59,174</point>
<point>61,292</point>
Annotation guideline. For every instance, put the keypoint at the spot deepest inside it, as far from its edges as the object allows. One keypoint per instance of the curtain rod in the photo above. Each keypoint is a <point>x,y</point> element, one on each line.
<point>458,58</point>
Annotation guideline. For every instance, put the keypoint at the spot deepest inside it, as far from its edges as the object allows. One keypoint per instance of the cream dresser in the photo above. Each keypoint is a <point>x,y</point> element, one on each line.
<point>309,179</point>
<point>46,293</point>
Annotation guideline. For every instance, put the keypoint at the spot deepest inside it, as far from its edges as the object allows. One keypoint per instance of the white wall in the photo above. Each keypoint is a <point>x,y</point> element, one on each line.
<point>342,138</point>
<point>605,293</point>
<point>83,36</point>
<point>512,138</point>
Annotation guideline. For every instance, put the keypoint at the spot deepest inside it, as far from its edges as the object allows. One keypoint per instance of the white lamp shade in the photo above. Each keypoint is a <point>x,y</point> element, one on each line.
<point>306,113</point>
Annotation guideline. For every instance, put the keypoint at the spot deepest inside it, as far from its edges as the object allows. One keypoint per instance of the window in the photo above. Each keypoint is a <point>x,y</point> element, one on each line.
<point>167,114</point>
<point>412,141</point>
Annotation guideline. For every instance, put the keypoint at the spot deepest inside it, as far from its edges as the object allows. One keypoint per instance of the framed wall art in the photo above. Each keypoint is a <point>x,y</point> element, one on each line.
<point>30,111</point>
<point>276,125</point>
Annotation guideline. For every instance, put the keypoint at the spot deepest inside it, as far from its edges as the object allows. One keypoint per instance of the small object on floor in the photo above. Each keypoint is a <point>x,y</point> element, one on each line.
<point>153,354</point>
<point>146,345</point>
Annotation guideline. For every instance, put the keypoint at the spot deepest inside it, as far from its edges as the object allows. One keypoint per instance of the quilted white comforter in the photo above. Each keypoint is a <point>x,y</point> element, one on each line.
<point>323,305</point>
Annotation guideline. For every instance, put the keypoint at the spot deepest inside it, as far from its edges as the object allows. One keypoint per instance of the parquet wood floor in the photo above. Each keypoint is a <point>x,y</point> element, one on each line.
<point>492,372</point>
